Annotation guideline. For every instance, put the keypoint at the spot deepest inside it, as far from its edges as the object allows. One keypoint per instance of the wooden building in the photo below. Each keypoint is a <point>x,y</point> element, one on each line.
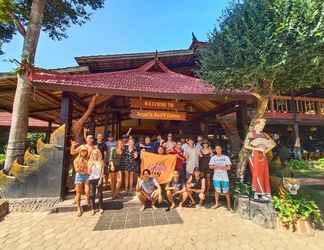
<point>156,93</point>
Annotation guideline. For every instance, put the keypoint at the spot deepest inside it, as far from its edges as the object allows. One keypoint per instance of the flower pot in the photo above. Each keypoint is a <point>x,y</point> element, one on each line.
<point>304,227</point>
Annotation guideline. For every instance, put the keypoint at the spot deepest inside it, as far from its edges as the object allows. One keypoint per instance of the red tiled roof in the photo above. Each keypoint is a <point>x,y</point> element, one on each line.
<point>153,79</point>
<point>5,121</point>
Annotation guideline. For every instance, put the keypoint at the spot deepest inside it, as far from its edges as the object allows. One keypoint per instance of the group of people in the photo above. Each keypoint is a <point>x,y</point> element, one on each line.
<point>101,162</point>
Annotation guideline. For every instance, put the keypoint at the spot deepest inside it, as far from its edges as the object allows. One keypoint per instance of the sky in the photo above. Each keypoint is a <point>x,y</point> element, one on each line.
<point>125,26</point>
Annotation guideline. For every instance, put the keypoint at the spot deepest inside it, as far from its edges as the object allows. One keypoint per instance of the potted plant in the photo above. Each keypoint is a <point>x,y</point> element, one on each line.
<point>296,213</point>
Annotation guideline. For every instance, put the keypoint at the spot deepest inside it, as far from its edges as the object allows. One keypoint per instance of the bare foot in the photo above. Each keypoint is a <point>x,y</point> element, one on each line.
<point>154,207</point>
<point>173,206</point>
<point>142,208</point>
<point>180,205</point>
<point>79,213</point>
<point>215,206</point>
<point>93,212</point>
<point>101,211</point>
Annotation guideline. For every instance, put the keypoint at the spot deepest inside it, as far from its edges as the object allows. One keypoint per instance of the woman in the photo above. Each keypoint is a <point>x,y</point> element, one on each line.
<point>196,187</point>
<point>176,190</point>
<point>131,165</point>
<point>115,167</point>
<point>204,159</point>
<point>80,164</point>
<point>180,160</point>
<point>96,175</point>
<point>161,150</point>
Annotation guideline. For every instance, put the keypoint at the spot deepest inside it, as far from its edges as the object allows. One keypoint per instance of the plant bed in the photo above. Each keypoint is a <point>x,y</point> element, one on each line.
<point>296,214</point>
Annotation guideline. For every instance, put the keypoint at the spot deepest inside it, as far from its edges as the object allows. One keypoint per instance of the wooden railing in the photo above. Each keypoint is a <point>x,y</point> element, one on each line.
<point>300,104</point>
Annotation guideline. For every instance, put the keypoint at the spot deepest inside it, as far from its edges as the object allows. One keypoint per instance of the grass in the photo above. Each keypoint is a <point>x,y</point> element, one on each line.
<point>309,173</point>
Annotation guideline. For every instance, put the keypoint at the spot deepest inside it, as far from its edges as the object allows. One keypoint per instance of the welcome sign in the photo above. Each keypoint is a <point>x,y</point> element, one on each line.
<point>161,166</point>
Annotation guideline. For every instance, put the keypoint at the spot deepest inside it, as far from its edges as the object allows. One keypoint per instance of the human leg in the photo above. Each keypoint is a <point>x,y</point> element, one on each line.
<point>201,198</point>
<point>118,182</point>
<point>113,183</point>
<point>217,187</point>
<point>78,191</point>
<point>142,197</point>
<point>126,180</point>
<point>170,198</point>
<point>131,181</point>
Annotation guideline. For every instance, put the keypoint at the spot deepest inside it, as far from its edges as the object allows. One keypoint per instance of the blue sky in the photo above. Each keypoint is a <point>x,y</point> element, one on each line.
<point>126,26</point>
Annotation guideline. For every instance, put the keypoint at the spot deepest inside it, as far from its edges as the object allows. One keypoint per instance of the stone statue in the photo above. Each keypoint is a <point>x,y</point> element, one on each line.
<point>260,144</point>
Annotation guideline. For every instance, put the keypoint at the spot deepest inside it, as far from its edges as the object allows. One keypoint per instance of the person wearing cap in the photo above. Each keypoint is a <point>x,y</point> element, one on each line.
<point>176,190</point>
<point>80,164</point>
<point>220,164</point>
<point>196,186</point>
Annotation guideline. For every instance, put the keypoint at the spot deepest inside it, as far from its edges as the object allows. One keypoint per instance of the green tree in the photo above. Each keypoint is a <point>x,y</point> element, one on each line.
<point>29,18</point>
<point>267,47</point>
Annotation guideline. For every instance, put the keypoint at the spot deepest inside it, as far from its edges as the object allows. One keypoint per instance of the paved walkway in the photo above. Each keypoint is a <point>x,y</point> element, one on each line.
<point>201,229</point>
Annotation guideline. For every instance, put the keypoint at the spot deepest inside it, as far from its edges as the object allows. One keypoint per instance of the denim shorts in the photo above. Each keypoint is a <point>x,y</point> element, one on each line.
<point>221,186</point>
<point>81,178</point>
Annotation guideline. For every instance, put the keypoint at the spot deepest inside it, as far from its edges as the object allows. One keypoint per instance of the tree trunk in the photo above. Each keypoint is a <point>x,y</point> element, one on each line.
<point>244,153</point>
<point>19,122</point>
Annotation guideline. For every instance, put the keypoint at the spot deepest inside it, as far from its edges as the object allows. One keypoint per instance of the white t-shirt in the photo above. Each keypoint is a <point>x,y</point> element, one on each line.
<point>223,160</point>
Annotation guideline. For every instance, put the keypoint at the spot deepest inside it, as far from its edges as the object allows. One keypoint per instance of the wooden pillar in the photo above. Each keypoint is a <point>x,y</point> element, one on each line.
<point>113,126</point>
<point>106,128</point>
<point>48,132</point>
<point>92,125</point>
<point>242,119</point>
<point>66,119</point>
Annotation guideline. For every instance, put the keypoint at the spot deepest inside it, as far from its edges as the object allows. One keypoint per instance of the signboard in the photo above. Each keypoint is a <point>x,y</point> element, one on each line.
<point>156,104</point>
<point>157,115</point>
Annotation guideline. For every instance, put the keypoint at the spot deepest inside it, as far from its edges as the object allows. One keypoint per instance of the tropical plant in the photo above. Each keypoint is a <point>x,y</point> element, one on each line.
<point>291,208</point>
<point>319,163</point>
<point>266,47</point>
<point>242,189</point>
<point>28,18</point>
<point>298,164</point>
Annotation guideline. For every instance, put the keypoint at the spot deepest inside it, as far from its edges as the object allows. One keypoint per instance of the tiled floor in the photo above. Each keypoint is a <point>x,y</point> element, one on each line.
<point>133,218</point>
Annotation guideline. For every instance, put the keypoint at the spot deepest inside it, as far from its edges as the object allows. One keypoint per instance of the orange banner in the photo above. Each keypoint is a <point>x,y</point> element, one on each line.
<point>161,166</point>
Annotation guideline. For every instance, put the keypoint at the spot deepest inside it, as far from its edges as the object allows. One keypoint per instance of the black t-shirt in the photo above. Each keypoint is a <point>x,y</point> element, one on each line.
<point>102,147</point>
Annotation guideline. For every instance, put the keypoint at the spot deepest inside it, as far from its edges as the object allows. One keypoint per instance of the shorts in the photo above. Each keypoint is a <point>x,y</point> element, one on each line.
<point>221,186</point>
<point>81,178</point>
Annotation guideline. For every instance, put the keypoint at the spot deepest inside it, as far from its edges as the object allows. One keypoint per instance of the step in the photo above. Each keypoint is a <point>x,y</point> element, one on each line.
<point>127,201</point>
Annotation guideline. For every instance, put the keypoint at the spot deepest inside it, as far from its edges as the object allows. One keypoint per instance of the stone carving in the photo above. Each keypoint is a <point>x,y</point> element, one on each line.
<point>39,180</point>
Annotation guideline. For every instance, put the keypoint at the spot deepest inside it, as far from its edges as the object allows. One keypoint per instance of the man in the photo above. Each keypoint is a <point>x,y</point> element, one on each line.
<point>147,145</point>
<point>110,145</point>
<point>221,164</point>
<point>148,190</point>
<point>196,187</point>
<point>101,145</point>
<point>169,144</point>
<point>176,191</point>
<point>89,144</point>
<point>199,143</point>
<point>192,158</point>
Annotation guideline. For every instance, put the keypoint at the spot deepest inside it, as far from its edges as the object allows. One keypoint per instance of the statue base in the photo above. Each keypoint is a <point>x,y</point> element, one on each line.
<point>261,213</point>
